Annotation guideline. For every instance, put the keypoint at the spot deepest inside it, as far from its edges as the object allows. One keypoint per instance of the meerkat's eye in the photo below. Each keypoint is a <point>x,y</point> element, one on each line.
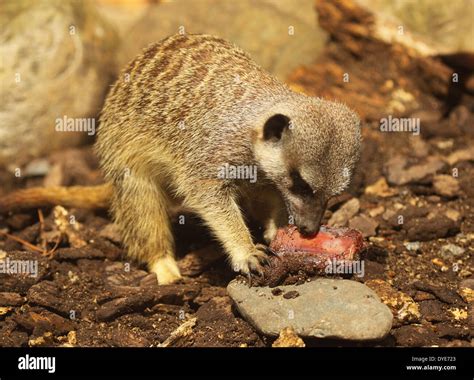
<point>299,185</point>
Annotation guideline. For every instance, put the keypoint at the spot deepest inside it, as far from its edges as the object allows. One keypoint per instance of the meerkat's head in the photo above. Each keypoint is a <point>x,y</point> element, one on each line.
<point>308,148</point>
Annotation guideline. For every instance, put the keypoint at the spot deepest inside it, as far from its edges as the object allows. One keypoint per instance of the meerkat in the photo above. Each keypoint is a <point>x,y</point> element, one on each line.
<point>192,105</point>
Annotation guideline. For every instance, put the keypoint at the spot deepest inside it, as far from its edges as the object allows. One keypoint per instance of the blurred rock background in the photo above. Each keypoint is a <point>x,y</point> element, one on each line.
<point>57,59</point>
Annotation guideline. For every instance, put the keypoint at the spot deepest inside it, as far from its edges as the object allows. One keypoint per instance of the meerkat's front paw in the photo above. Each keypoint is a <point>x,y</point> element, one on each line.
<point>166,269</point>
<point>252,261</point>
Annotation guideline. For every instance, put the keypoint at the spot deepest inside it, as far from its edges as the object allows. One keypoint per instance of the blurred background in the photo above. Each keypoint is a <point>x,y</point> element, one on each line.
<point>59,57</point>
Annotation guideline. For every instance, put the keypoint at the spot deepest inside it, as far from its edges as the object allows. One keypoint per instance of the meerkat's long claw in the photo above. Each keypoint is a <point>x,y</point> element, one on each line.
<point>258,271</point>
<point>249,279</point>
<point>267,249</point>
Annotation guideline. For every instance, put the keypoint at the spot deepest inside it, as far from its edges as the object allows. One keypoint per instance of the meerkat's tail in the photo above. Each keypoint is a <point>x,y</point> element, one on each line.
<point>91,197</point>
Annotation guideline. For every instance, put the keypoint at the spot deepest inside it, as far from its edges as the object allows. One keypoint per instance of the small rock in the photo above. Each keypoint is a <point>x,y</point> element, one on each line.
<point>452,214</point>
<point>445,185</point>
<point>445,144</point>
<point>425,229</point>
<point>389,215</point>
<point>461,155</point>
<point>325,308</point>
<point>464,273</point>
<point>397,174</point>
<point>37,168</point>
<point>45,340</point>
<point>450,251</point>
<point>72,338</point>
<point>291,294</point>
<point>380,189</point>
<point>288,338</point>
<point>403,307</point>
<point>344,213</point>
<point>440,264</point>
<point>413,246</point>
<point>277,292</point>
<point>364,224</point>
<point>376,211</point>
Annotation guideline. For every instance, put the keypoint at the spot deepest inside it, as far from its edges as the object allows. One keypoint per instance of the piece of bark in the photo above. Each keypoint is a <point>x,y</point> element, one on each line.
<point>124,305</point>
<point>180,334</point>
<point>11,299</point>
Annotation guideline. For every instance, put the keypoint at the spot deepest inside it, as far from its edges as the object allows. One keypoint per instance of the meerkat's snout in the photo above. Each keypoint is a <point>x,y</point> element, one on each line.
<point>307,212</point>
<point>308,230</point>
<point>309,223</point>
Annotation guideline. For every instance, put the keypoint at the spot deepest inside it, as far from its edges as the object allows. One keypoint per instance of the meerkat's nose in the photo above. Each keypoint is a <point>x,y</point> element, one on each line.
<point>308,231</point>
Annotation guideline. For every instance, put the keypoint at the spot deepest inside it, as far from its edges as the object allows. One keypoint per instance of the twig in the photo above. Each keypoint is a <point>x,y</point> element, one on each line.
<point>41,219</point>
<point>183,331</point>
<point>50,252</point>
<point>41,229</point>
<point>23,242</point>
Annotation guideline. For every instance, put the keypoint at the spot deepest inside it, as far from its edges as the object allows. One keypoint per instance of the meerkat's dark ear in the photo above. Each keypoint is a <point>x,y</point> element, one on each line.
<point>274,127</point>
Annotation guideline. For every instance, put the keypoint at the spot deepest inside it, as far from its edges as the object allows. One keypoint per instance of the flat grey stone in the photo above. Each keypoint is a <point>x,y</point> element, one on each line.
<point>451,250</point>
<point>325,308</point>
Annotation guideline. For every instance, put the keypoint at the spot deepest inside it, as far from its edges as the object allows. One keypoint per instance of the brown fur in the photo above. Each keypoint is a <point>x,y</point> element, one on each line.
<point>192,103</point>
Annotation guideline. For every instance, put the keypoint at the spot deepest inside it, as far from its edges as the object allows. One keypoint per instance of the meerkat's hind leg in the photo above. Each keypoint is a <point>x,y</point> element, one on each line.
<point>140,211</point>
